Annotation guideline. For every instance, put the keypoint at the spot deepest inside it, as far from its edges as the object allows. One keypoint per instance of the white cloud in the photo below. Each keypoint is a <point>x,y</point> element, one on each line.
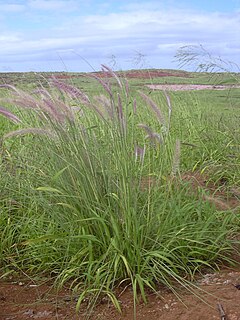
<point>147,29</point>
<point>19,46</point>
<point>9,38</point>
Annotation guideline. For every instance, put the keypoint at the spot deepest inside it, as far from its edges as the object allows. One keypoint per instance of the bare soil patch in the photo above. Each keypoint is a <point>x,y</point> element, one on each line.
<point>28,300</point>
<point>147,74</point>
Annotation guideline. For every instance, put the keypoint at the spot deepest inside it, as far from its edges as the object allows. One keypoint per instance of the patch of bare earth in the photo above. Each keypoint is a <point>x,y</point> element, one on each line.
<point>26,300</point>
<point>146,74</point>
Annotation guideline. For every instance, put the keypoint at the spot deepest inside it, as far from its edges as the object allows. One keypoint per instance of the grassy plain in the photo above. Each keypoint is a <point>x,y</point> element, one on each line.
<point>94,194</point>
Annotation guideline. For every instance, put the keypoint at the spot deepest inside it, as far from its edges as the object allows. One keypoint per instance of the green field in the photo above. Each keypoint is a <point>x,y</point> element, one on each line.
<point>92,180</point>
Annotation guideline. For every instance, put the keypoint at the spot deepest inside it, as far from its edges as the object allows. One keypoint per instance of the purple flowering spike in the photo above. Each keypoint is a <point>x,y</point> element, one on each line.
<point>9,115</point>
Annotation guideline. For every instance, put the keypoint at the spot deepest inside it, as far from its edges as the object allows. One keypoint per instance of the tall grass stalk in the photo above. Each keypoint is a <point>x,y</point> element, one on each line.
<point>89,200</point>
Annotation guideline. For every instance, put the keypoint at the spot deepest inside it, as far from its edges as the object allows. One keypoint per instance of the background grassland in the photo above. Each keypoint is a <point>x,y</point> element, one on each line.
<point>98,200</point>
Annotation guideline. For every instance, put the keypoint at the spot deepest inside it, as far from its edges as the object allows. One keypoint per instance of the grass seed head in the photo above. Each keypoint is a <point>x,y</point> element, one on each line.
<point>113,74</point>
<point>152,136</point>
<point>154,107</point>
<point>134,106</point>
<point>139,153</point>
<point>176,158</point>
<point>6,113</point>
<point>104,84</point>
<point>106,103</point>
<point>72,91</point>
<point>21,132</point>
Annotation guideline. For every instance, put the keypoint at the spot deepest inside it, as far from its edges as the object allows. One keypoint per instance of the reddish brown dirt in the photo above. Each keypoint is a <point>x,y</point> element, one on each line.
<point>27,300</point>
<point>145,74</point>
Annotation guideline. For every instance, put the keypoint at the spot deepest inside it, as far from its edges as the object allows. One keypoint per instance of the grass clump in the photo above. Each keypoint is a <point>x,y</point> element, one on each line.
<point>93,193</point>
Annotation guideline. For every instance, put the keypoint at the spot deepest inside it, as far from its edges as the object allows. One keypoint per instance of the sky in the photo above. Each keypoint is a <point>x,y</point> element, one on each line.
<point>80,35</point>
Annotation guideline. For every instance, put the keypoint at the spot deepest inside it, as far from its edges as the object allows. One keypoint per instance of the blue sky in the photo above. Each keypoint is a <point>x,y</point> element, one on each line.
<point>71,35</point>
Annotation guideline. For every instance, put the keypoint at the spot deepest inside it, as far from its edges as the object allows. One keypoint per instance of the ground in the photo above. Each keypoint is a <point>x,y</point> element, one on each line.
<point>20,300</point>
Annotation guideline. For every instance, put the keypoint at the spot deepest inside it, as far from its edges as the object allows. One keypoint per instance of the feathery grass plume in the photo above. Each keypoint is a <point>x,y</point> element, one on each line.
<point>61,110</point>
<point>152,136</point>
<point>72,91</point>
<point>119,107</point>
<point>127,87</point>
<point>65,108</point>
<point>9,86</point>
<point>98,111</point>
<point>97,107</point>
<point>9,115</point>
<point>139,152</point>
<point>46,104</point>
<point>176,158</point>
<point>134,106</point>
<point>21,132</point>
<point>121,118</point>
<point>104,84</point>
<point>146,128</point>
<point>169,108</point>
<point>77,109</point>
<point>51,107</point>
<point>21,98</point>
<point>106,103</point>
<point>168,100</point>
<point>18,92</point>
<point>42,92</point>
<point>113,74</point>
<point>154,108</point>
<point>23,102</point>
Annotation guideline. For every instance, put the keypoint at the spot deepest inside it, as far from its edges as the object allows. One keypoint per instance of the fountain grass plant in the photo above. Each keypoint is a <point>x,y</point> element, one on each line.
<point>92,193</point>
